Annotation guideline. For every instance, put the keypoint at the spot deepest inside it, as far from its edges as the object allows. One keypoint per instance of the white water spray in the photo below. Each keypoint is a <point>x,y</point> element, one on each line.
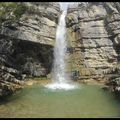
<point>60,79</point>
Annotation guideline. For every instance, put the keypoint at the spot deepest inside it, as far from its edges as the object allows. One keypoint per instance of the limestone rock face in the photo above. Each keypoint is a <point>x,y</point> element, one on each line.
<point>94,35</point>
<point>26,44</point>
<point>37,24</point>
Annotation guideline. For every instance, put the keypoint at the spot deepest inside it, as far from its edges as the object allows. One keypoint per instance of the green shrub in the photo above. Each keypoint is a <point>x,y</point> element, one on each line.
<point>11,11</point>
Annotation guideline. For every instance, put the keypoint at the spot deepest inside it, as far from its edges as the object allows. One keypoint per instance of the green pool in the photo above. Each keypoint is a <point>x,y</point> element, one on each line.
<point>36,101</point>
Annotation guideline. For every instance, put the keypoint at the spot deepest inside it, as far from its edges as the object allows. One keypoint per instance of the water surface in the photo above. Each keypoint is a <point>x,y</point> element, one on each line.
<point>37,101</point>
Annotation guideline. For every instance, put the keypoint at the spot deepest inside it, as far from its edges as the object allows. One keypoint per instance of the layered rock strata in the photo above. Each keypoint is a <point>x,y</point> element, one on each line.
<point>26,44</point>
<point>93,32</point>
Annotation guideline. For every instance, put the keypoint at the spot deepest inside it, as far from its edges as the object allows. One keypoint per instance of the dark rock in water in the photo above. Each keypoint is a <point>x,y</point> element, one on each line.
<point>105,88</point>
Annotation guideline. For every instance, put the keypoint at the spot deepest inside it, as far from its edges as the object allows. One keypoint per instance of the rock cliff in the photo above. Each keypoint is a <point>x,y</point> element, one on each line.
<point>93,32</point>
<point>27,35</point>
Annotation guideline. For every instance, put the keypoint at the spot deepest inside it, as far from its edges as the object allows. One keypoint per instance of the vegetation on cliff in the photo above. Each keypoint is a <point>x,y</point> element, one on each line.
<point>11,11</point>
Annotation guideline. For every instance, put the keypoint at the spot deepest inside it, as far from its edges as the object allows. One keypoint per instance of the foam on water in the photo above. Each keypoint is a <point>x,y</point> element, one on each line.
<point>64,86</point>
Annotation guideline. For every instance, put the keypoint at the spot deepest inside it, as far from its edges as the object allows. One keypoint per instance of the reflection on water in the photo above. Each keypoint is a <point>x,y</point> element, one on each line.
<point>37,101</point>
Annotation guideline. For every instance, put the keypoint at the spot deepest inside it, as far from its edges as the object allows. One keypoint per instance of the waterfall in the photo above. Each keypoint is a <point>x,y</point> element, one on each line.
<point>59,67</point>
<point>60,79</point>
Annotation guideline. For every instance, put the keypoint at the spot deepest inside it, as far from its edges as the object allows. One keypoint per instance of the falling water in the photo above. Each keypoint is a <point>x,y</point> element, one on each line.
<point>60,78</point>
<point>59,51</point>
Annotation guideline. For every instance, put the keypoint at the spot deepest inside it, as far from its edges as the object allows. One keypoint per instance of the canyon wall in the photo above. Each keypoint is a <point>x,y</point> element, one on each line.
<point>27,35</point>
<point>93,32</point>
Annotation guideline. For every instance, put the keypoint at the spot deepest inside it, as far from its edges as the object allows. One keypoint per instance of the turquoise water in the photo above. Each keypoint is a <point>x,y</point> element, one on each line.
<point>38,102</point>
